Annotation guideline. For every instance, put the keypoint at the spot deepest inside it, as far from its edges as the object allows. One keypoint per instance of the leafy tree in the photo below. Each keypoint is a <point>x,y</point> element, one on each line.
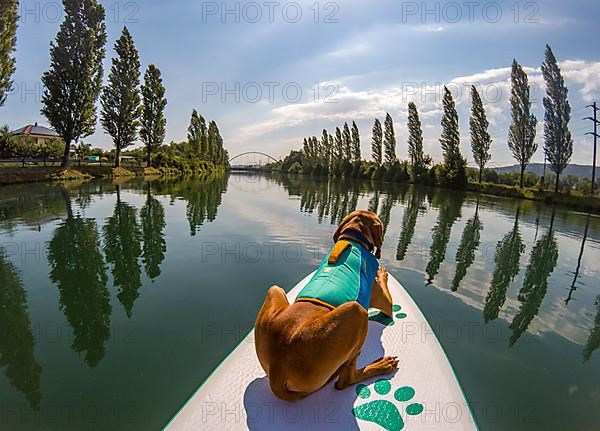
<point>465,255</point>
<point>153,121</point>
<point>122,247</point>
<point>347,143</point>
<point>409,221</point>
<point>197,135</point>
<point>419,161</point>
<point>521,134</point>
<point>74,80</point>
<point>374,202</point>
<point>454,168</point>
<point>386,211</point>
<point>450,207</point>
<point>82,150</point>
<point>389,141</point>
<point>121,109</point>
<point>8,42</point>
<point>17,343</point>
<point>339,150</point>
<point>7,143</point>
<point>507,258</point>
<point>377,142</point>
<point>326,150</point>
<point>152,216</point>
<point>216,152</point>
<point>79,270</point>
<point>544,257</point>
<point>558,144</point>
<point>332,152</point>
<point>480,138</point>
<point>204,198</point>
<point>355,143</point>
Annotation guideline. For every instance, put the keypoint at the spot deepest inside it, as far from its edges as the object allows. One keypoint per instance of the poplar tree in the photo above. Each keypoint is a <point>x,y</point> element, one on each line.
<point>355,143</point>
<point>332,152</point>
<point>74,80</point>
<point>212,140</point>
<point>521,134</point>
<point>347,141</point>
<point>418,159</point>
<point>196,132</point>
<point>326,149</point>
<point>121,108</point>
<point>339,146</point>
<point>480,138</point>
<point>8,42</point>
<point>558,144</point>
<point>153,123</point>
<point>389,141</point>
<point>454,162</point>
<point>220,153</point>
<point>377,142</point>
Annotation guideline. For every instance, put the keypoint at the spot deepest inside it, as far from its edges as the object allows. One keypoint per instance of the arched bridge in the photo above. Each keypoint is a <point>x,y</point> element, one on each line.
<point>253,152</point>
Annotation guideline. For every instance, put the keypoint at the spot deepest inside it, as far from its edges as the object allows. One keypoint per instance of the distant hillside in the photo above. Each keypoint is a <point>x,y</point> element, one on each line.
<point>580,171</point>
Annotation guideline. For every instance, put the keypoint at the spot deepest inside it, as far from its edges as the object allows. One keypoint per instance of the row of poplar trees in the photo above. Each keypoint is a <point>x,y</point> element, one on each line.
<point>74,83</point>
<point>339,154</point>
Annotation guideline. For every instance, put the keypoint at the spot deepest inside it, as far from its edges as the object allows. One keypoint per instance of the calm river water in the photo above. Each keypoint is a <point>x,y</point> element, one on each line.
<point>118,300</point>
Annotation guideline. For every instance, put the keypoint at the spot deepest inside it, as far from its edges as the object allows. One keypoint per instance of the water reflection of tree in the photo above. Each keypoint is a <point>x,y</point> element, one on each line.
<point>16,338</point>
<point>122,247</point>
<point>579,259</point>
<point>465,255</point>
<point>79,271</point>
<point>593,342</point>
<point>544,257</point>
<point>374,202</point>
<point>449,212</point>
<point>30,204</point>
<point>329,199</point>
<point>203,197</point>
<point>152,216</point>
<point>409,221</point>
<point>508,255</point>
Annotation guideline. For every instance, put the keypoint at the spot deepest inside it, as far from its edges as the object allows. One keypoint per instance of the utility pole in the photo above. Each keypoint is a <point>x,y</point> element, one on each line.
<point>595,135</point>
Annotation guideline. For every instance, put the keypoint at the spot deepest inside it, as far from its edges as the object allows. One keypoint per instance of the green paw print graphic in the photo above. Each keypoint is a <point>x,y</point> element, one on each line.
<point>378,316</point>
<point>383,412</point>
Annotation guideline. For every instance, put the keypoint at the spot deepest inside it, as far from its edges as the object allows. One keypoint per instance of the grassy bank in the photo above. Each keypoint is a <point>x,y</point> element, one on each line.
<point>572,201</point>
<point>35,174</point>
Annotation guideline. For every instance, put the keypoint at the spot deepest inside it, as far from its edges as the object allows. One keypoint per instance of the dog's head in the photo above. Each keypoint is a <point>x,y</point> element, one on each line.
<point>367,224</point>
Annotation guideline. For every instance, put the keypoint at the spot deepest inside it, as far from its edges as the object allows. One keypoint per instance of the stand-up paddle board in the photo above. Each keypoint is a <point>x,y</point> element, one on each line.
<point>424,394</point>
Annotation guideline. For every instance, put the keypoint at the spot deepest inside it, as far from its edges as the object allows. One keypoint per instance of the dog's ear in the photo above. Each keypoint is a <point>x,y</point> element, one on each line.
<point>377,235</point>
<point>342,225</point>
<point>378,238</point>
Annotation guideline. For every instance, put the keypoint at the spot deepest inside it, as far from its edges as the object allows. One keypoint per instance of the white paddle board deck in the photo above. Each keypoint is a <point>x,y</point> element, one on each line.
<point>424,394</point>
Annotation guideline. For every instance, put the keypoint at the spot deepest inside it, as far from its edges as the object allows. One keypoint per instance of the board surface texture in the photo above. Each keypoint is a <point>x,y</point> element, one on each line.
<point>423,394</point>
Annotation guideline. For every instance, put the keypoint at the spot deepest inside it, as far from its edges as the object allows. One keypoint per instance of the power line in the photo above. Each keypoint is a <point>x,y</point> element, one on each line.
<point>595,135</point>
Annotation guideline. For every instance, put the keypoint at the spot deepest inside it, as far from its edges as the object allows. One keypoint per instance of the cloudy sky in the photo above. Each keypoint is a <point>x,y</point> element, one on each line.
<point>271,73</point>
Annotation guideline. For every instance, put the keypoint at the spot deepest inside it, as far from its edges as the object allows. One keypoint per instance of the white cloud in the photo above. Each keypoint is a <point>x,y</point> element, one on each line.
<point>493,84</point>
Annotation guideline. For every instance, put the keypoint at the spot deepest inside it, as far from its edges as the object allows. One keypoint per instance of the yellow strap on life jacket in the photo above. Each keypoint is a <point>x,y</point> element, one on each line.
<point>337,251</point>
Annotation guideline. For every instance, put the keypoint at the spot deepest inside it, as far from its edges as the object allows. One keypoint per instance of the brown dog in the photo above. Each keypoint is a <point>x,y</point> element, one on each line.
<point>304,345</point>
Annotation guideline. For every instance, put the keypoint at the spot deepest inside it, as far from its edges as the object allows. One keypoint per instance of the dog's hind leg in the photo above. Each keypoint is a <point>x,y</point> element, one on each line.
<point>275,302</point>
<point>351,375</point>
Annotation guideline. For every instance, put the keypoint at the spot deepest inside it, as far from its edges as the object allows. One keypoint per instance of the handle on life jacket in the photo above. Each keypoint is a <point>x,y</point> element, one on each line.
<point>337,251</point>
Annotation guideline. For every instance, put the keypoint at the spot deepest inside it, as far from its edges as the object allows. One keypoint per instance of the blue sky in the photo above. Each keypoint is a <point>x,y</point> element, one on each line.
<point>364,59</point>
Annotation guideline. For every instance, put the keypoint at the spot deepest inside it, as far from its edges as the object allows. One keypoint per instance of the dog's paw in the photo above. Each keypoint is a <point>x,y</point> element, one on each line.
<point>379,317</point>
<point>384,412</point>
